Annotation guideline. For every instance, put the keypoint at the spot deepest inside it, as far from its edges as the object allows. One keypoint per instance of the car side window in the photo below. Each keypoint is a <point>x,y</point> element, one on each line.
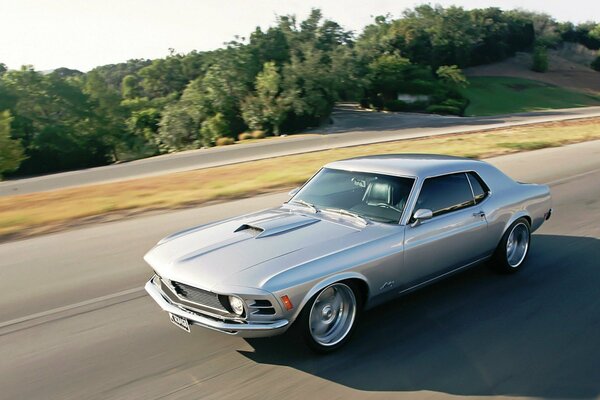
<point>446,193</point>
<point>480,189</point>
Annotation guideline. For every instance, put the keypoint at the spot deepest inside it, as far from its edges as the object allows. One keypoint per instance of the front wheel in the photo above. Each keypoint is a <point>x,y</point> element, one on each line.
<point>329,318</point>
<point>514,247</point>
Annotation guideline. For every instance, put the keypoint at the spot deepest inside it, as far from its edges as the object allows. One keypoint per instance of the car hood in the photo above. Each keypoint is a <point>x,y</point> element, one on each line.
<point>207,256</point>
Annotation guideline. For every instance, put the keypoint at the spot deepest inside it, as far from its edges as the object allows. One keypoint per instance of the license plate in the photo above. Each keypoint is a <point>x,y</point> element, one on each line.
<point>180,322</point>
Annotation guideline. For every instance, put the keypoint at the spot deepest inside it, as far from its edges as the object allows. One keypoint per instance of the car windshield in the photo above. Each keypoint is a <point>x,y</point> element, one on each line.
<point>373,196</point>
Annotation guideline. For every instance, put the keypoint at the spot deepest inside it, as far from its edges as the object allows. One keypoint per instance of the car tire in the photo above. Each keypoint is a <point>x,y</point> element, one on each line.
<point>326,326</point>
<point>512,251</point>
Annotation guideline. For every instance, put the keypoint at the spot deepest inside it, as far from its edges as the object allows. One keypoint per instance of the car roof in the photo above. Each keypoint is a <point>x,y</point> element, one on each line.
<point>419,165</point>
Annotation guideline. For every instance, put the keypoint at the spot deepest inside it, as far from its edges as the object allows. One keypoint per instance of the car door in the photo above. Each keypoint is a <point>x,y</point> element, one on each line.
<point>455,236</point>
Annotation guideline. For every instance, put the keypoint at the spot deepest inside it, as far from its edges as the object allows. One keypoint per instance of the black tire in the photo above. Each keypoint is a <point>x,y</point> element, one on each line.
<point>502,260</point>
<point>303,324</point>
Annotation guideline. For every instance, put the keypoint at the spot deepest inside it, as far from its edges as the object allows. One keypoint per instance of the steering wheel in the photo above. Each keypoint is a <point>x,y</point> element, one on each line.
<point>386,205</point>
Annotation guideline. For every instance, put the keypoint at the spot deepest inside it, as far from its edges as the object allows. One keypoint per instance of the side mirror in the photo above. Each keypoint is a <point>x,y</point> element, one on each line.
<point>293,192</point>
<point>421,215</point>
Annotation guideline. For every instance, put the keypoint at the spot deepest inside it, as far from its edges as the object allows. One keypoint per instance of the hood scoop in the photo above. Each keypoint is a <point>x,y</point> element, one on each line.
<point>275,225</point>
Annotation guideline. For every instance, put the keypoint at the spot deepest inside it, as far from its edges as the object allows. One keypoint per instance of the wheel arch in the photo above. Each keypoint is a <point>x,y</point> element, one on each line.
<point>353,278</point>
<point>518,215</point>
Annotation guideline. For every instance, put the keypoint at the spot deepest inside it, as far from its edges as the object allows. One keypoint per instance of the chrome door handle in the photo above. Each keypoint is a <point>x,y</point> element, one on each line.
<point>480,214</point>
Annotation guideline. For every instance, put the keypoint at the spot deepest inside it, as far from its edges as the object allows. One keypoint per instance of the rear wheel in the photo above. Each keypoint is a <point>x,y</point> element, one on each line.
<point>329,318</point>
<point>514,247</point>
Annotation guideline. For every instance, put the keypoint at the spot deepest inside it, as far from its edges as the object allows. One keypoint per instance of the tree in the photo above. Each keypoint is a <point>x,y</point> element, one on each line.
<point>55,122</point>
<point>164,76</point>
<point>451,75</point>
<point>540,59</point>
<point>267,109</point>
<point>596,63</point>
<point>387,75</point>
<point>212,129</point>
<point>3,69</point>
<point>11,151</point>
<point>130,87</point>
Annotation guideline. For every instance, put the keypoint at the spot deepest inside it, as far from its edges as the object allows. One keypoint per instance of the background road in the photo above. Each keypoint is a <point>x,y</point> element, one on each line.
<point>351,127</point>
<point>96,335</point>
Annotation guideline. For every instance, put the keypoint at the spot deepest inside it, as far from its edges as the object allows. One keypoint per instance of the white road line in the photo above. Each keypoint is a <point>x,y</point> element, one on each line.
<point>70,307</point>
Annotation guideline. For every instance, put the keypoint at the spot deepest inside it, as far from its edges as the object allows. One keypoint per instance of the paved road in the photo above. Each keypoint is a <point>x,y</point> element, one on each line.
<point>351,127</point>
<point>97,336</point>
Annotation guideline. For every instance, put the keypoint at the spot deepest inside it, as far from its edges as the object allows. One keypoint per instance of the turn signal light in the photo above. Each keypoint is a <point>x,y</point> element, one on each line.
<point>287,303</point>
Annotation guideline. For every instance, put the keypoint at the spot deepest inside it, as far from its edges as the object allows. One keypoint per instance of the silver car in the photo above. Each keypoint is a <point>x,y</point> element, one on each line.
<point>358,233</point>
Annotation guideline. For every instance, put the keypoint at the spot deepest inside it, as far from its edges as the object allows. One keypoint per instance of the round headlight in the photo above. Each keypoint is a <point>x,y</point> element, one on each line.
<point>237,305</point>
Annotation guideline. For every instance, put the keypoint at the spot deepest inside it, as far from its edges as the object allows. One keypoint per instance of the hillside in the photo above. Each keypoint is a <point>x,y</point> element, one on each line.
<point>563,70</point>
<point>493,95</point>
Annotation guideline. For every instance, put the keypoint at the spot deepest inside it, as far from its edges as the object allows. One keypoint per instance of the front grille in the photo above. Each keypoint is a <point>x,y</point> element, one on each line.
<point>198,296</point>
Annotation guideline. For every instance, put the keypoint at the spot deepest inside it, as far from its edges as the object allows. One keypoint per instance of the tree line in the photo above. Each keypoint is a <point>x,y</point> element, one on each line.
<point>279,80</point>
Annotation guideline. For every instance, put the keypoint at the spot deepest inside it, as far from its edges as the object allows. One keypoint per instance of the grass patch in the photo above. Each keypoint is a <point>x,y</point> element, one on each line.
<point>504,95</point>
<point>34,213</point>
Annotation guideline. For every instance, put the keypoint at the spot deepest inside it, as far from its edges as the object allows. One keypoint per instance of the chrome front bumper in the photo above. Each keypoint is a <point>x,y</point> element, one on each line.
<point>246,329</point>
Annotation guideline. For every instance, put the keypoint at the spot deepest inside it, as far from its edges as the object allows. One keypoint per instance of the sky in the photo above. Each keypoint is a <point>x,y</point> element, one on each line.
<point>82,34</point>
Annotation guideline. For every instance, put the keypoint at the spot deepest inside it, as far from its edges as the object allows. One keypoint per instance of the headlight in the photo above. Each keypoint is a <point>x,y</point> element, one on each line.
<point>237,305</point>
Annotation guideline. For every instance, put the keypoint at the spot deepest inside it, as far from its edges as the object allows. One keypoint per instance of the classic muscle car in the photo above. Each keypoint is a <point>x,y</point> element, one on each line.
<point>359,232</point>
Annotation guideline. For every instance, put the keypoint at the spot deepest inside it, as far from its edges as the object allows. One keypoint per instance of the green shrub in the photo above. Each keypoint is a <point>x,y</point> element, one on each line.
<point>377,103</point>
<point>540,59</point>
<point>258,134</point>
<point>224,141</point>
<point>461,104</point>
<point>245,136</point>
<point>443,109</point>
<point>395,105</point>
<point>364,103</point>
<point>417,106</point>
<point>596,63</point>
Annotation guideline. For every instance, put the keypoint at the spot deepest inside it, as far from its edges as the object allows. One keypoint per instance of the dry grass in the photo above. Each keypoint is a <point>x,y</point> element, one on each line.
<point>29,214</point>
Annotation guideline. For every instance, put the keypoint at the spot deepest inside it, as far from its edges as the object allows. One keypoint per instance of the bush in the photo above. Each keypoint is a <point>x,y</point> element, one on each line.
<point>245,136</point>
<point>596,64</point>
<point>224,141</point>
<point>258,134</point>
<point>395,105</point>
<point>377,103</point>
<point>443,109</point>
<point>540,59</point>
<point>364,103</point>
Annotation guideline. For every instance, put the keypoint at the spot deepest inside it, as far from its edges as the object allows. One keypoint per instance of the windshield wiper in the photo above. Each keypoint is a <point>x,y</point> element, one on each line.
<point>341,211</point>
<point>306,204</point>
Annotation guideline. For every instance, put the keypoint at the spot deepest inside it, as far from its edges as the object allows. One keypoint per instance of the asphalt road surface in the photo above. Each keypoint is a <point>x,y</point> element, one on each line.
<point>350,127</point>
<point>75,324</point>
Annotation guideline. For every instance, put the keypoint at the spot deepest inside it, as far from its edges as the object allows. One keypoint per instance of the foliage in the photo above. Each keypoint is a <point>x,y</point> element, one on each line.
<point>245,136</point>
<point>540,59</point>
<point>214,128</point>
<point>451,75</point>
<point>59,125</point>
<point>267,109</point>
<point>11,151</point>
<point>596,63</point>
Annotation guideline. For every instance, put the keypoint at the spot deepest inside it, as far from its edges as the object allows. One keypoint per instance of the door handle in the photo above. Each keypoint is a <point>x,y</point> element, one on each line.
<point>480,214</point>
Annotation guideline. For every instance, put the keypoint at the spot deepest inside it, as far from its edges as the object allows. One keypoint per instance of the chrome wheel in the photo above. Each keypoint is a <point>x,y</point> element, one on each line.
<point>517,245</point>
<point>332,314</point>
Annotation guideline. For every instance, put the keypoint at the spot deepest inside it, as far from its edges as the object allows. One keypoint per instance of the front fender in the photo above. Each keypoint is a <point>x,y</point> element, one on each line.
<point>326,282</point>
